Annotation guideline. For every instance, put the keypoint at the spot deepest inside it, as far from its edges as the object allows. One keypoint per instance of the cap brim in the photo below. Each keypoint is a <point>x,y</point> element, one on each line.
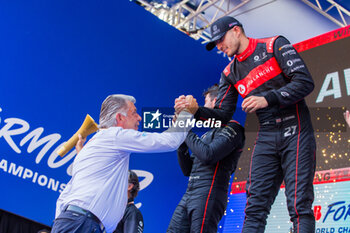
<point>212,43</point>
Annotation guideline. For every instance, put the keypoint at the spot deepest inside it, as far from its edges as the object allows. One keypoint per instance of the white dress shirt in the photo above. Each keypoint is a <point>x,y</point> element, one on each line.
<point>100,171</point>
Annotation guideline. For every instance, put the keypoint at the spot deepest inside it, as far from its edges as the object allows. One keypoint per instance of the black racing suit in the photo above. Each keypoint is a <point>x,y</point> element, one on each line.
<point>285,147</point>
<point>132,221</point>
<point>214,158</point>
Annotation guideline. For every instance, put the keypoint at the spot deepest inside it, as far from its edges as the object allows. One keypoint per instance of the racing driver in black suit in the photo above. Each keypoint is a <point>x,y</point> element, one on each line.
<point>213,160</point>
<point>273,80</point>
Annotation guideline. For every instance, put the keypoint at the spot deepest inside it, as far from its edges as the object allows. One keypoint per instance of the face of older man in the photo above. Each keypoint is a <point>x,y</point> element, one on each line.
<point>131,120</point>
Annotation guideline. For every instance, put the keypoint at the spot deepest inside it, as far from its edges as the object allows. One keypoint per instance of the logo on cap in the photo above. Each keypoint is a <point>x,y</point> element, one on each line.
<point>216,30</point>
<point>232,24</point>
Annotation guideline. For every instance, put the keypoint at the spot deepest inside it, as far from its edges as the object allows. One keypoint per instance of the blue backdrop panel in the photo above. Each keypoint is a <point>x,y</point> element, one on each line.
<point>58,62</point>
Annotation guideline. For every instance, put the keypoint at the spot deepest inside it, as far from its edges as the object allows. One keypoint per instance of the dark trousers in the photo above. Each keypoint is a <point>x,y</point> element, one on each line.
<point>196,213</point>
<point>71,222</point>
<point>284,151</point>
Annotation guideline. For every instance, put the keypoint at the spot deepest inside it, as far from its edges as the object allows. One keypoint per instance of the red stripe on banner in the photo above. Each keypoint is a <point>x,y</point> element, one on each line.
<point>258,76</point>
<point>238,187</point>
<point>332,176</point>
<point>206,204</point>
<point>323,39</point>
<point>321,177</point>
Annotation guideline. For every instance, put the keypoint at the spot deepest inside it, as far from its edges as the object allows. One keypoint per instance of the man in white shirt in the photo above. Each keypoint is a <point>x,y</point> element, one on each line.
<point>95,198</point>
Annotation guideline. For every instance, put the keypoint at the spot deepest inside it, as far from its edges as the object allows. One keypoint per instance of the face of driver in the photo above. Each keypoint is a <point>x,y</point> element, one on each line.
<point>230,43</point>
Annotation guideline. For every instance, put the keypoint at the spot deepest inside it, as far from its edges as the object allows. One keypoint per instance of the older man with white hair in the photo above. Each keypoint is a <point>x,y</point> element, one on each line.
<point>95,198</point>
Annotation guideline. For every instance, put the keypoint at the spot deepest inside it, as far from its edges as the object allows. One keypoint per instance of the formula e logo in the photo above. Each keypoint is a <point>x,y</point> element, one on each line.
<point>290,63</point>
<point>151,120</point>
<point>337,211</point>
<point>241,89</point>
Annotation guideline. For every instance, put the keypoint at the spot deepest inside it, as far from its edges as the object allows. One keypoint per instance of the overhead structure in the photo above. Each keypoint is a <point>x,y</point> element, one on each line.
<point>192,17</point>
<point>336,11</point>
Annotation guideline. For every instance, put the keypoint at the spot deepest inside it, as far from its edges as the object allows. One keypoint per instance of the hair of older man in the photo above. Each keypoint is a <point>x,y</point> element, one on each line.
<point>112,105</point>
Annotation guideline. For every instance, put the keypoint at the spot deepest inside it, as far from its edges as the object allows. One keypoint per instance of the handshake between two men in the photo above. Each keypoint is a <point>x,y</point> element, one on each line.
<point>187,103</point>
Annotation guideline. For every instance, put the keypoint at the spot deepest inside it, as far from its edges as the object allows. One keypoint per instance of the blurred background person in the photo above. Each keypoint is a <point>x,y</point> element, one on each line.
<point>132,221</point>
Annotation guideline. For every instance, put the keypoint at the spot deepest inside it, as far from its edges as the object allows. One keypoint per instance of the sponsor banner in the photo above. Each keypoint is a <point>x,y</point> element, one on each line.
<point>331,176</point>
<point>331,205</point>
<point>331,208</point>
<point>234,214</point>
<point>323,39</point>
<point>238,187</point>
<point>321,177</point>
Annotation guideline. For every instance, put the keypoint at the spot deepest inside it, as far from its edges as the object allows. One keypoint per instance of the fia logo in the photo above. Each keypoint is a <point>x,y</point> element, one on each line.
<point>151,120</point>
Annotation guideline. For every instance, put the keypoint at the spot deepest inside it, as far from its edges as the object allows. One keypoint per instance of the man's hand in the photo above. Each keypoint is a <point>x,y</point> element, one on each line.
<point>253,103</point>
<point>347,117</point>
<point>80,143</point>
<point>180,104</point>
<point>187,103</point>
<point>192,104</point>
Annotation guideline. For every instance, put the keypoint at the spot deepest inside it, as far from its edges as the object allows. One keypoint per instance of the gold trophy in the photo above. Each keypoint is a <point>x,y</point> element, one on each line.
<point>88,127</point>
